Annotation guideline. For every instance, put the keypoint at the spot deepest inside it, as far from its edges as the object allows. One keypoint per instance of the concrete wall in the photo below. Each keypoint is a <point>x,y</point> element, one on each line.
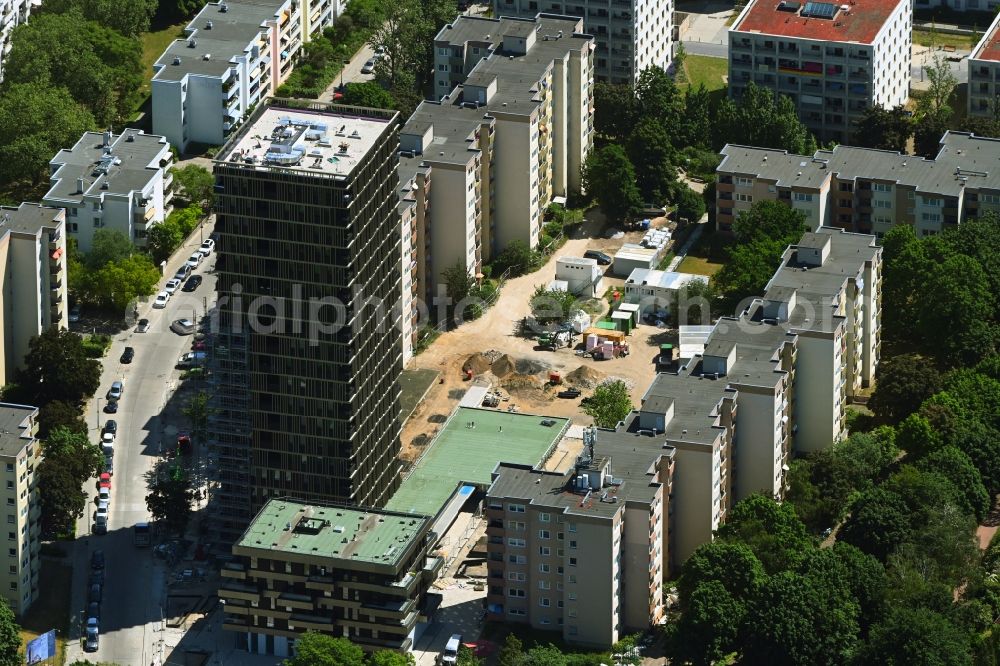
<point>168,117</point>
<point>693,501</point>
<point>816,415</point>
<point>597,572</point>
<point>205,111</point>
<point>758,443</point>
<point>516,181</point>
<point>453,232</point>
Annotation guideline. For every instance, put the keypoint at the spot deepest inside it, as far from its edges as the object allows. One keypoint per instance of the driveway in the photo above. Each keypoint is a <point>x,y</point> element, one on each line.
<point>351,72</point>
<point>134,581</point>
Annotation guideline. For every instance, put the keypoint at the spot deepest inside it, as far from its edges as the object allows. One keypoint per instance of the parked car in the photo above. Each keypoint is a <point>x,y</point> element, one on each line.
<point>193,282</point>
<point>369,66</point>
<point>109,465</point>
<point>570,393</point>
<point>74,314</point>
<point>103,503</point>
<point>450,654</point>
<point>161,300</point>
<point>183,273</point>
<point>97,559</point>
<point>107,438</point>
<point>96,576</point>
<point>192,359</point>
<point>110,426</point>
<point>142,326</point>
<point>172,285</point>
<point>116,390</point>
<point>194,261</point>
<point>111,407</point>
<point>103,495</point>
<point>207,246</point>
<point>104,480</point>
<point>93,640</point>
<point>602,258</point>
<point>94,595</point>
<point>127,355</point>
<point>182,327</point>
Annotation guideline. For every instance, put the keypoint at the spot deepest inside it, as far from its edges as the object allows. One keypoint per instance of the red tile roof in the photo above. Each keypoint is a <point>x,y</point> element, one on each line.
<point>991,45</point>
<point>860,23</point>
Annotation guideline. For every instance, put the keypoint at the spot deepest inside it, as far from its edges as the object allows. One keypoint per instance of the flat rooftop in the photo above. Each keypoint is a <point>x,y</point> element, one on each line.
<point>467,450</point>
<point>483,30</point>
<point>695,401</point>
<point>330,142</point>
<point>233,31</point>
<point>126,165</point>
<point>822,21</point>
<point>28,218</point>
<point>988,47</point>
<point>663,279</point>
<point>334,533</point>
<point>15,434</point>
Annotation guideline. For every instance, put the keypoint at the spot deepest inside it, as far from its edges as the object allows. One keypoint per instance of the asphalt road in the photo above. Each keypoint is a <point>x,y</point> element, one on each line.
<point>134,581</point>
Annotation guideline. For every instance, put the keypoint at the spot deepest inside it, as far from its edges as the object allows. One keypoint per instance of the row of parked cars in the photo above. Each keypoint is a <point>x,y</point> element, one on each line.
<point>95,594</point>
<point>181,277</point>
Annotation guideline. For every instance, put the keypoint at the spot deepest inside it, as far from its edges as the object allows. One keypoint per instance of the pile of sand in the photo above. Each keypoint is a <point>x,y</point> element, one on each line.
<point>477,363</point>
<point>503,366</point>
<point>585,376</point>
<point>528,366</point>
<point>519,382</point>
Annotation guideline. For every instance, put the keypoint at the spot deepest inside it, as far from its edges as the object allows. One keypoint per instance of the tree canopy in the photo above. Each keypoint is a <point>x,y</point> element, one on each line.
<point>610,177</point>
<point>608,404</point>
<point>197,185</point>
<point>129,17</point>
<point>57,368</point>
<point>316,649</point>
<point>760,118</point>
<point>885,129</point>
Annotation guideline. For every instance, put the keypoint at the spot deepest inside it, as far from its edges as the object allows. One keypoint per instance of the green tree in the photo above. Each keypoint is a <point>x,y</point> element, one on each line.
<point>552,305</point>
<point>711,625</point>
<point>982,444</point>
<point>609,404</point>
<point>190,7</point>
<point>865,577</point>
<point>58,414</point>
<point>771,530</point>
<point>690,204</point>
<point>906,266</point>
<point>129,17</point>
<point>657,97</point>
<point>910,636</point>
<point>879,522</point>
<point>928,131</point>
<point>614,111</point>
<point>316,649</point>
<point>759,118</point>
<point>70,459</point>
<point>196,183</point>
<point>902,383</point>
<point>965,307</point>
<point>101,68</point>
<point>169,499</point>
<point>57,368</point>
<point>37,120</point>
<point>696,124</point>
<point>466,657</point>
<point>119,283</point>
<point>197,412</point>
<point>368,94</point>
<point>10,638</point>
<point>651,155</point>
<point>610,178</point>
<point>391,658</point>
<point>162,239</point>
<point>544,655</point>
<point>884,129</point>
<point>729,562</point>
<point>84,457</point>
<point>518,258</point>
<point>937,99</point>
<point>108,246</point>
<point>958,468</point>
<point>511,653</point>
<point>457,282</point>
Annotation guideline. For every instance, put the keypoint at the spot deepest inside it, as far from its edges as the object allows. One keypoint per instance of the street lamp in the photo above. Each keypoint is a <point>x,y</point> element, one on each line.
<point>98,413</point>
<point>346,63</point>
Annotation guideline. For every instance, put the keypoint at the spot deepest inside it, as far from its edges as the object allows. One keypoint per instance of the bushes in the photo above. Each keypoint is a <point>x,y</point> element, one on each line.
<point>168,235</point>
<point>96,345</point>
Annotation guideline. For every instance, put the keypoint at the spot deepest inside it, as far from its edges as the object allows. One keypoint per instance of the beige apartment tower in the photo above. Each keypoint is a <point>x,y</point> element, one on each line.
<point>20,454</point>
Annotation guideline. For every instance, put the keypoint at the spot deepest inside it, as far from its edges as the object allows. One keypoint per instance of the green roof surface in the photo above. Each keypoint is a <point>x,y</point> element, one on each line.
<point>335,532</point>
<point>461,453</point>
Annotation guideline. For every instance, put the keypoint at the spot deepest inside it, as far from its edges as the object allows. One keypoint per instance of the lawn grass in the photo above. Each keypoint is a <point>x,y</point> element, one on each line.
<point>154,43</point>
<point>706,70</point>
<point>698,266</point>
<point>51,609</point>
<point>932,38</point>
<point>665,262</point>
<point>414,385</point>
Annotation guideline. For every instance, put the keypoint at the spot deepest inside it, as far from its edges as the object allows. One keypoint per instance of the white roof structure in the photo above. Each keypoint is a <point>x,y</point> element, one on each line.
<point>663,279</point>
<point>693,339</point>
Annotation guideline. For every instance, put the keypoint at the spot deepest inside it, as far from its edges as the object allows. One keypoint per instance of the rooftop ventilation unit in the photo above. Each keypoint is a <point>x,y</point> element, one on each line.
<point>208,26</point>
<point>788,6</point>
<point>223,7</point>
<point>177,60</point>
<point>207,56</point>
<point>192,43</point>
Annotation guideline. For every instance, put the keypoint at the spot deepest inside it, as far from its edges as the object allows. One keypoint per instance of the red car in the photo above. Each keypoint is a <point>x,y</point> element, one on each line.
<point>104,481</point>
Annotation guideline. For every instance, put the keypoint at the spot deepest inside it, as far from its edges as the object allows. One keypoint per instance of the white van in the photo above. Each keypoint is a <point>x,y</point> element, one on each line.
<point>450,654</point>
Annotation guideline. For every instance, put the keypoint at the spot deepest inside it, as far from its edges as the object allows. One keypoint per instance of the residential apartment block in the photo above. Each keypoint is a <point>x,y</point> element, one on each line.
<point>984,74</point>
<point>510,134</point>
<point>20,453</point>
<point>234,54</point>
<point>112,181</point>
<point>630,35</point>
<point>865,190</point>
<point>308,355</point>
<point>12,14</point>
<point>32,279</point>
<point>354,573</point>
<point>833,60</point>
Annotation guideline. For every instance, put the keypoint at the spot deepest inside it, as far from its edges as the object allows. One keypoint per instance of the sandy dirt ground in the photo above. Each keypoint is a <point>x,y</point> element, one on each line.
<point>523,374</point>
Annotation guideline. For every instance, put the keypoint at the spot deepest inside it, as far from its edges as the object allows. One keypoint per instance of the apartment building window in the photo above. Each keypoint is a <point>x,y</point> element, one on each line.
<point>772,189</point>
<point>572,561</point>
<point>544,602</point>
<point>572,544</point>
<point>932,201</point>
<point>572,578</point>
<point>12,536</point>
<point>990,198</point>
<point>10,484</point>
<point>931,217</point>
<point>544,534</point>
<point>518,576</point>
<point>572,596</point>
<point>802,196</point>
<point>11,518</point>
<point>517,559</point>
<point>572,527</point>
<point>515,592</point>
<point>545,551</point>
<point>882,187</point>
<point>13,568</point>
<point>544,585</point>
<point>515,525</point>
<point>745,198</point>
<point>13,586</point>
<point>12,552</point>
<point>515,508</point>
<point>520,612</point>
<point>559,536</point>
<point>543,568</point>
<point>880,203</point>
<point>544,518</point>
<point>743,182</point>
<point>882,219</point>
<point>443,51</point>
<point>516,543</point>
<point>10,467</point>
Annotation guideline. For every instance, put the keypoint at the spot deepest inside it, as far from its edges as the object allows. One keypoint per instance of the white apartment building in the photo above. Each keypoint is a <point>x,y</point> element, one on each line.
<point>20,454</point>
<point>630,35</point>
<point>480,166</point>
<point>657,290</point>
<point>828,292</point>
<point>984,73</point>
<point>865,190</point>
<point>32,279</point>
<point>112,181</point>
<point>833,60</point>
<point>12,14</point>
<point>234,54</point>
